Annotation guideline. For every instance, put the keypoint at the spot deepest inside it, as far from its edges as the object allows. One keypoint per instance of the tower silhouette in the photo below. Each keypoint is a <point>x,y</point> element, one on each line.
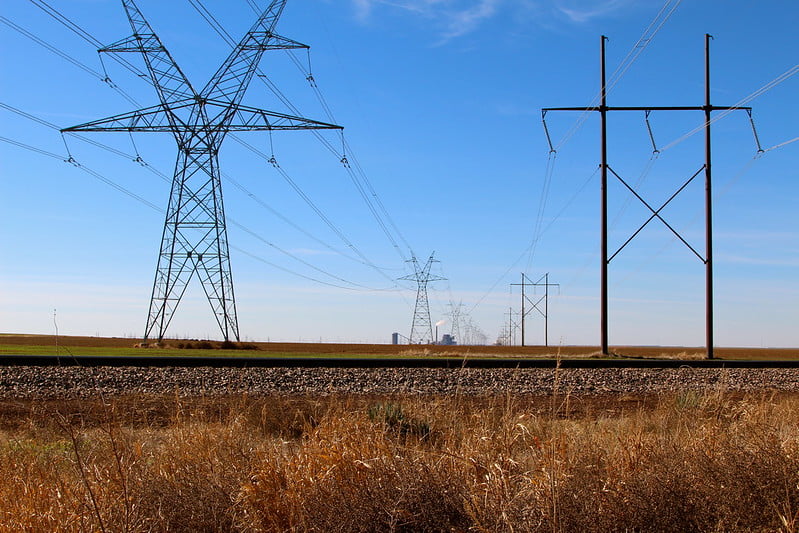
<point>422,325</point>
<point>194,239</point>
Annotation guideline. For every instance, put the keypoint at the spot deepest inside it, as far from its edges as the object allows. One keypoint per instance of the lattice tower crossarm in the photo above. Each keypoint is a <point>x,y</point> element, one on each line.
<point>194,239</point>
<point>422,325</point>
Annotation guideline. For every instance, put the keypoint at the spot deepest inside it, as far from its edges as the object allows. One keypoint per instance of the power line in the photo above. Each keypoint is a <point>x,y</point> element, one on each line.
<point>560,213</point>
<point>665,13</point>
<point>166,179</point>
<point>307,199</point>
<point>739,105</point>
<point>52,48</point>
<point>211,20</point>
<point>358,177</point>
<point>85,35</point>
<point>120,188</point>
<point>33,149</point>
<point>95,42</point>
<point>137,158</point>
<point>102,77</point>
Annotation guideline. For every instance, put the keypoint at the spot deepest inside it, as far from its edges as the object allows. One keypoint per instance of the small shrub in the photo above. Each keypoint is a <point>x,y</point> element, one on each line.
<point>392,415</point>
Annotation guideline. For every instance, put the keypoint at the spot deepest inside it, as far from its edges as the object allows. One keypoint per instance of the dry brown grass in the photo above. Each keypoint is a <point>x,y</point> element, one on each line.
<point>684,462</point>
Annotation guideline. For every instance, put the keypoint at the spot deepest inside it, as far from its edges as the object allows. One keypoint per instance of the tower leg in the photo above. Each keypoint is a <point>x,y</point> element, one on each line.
<point>194,241</point>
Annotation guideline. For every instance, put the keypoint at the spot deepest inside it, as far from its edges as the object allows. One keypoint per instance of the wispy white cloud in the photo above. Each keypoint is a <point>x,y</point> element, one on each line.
<point>582,11</point>
<point>454,18</point>
<point>363,8</point>
<point>466,21</point>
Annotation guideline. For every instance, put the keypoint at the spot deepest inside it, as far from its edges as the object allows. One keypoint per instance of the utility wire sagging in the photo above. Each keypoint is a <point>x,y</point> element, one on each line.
<point>194,242</point>
<point>347,156</point>
<point>62,19</point>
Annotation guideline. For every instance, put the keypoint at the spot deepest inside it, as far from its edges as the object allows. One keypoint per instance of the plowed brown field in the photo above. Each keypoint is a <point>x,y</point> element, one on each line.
<point>334,349</point>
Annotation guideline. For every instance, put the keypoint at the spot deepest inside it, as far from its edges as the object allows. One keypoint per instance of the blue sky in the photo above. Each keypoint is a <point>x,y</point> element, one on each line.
<point>440,100</point>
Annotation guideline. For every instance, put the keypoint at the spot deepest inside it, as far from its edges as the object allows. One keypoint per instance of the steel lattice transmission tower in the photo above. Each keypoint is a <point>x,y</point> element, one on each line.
<point>422,326</point>
<point>194,240</point>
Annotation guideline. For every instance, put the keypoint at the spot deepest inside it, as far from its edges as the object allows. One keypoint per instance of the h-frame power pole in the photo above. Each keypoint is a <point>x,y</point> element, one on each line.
<point>535,305</point>
<point>194,239</point>
<point>422,325</point>
<point>603,110</point>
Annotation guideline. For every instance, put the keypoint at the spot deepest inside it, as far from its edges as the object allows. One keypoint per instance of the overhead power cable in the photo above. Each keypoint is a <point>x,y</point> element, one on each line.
<point>543,231</point>
<point>289,254</point>
<point>357,174</point>
<point>51,48</point>
<point>759,92</point>
<point>665,13</point>
<point>69,159</point>
<point>165,178</point>
<point>137,158</point>
<point>102,77</point>
<point>377,199</point>
<point>307,199</point>
<point>284,218</point>
<point>111,183</point>
<point>86,36</point>
<point>33,149</point>
<point>358,177</point>
<point>786,143</point>
<point>542,203</point>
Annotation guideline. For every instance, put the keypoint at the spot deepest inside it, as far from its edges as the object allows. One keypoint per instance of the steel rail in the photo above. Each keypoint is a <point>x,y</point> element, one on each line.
<point>378,362</point>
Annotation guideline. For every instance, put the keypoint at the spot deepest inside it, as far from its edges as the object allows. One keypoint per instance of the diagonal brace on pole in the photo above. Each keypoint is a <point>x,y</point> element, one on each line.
<point>543,281</point>
<point>603,109</point>
<point>656,214</point>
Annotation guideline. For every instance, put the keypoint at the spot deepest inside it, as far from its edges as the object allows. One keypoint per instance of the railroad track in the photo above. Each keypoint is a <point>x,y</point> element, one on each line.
<point>377,362</point>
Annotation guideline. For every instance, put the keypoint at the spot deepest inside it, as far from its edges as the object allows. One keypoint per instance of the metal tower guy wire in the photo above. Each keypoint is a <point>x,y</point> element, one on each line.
<point>194,240</point>
<point>422,325</point>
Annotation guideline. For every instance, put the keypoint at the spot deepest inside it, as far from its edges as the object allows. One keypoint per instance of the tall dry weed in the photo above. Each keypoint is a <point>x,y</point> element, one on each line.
<point>709,462</point>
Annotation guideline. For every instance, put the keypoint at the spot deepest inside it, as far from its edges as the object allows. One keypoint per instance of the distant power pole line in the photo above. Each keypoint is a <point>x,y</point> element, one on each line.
<point>513,326</point>
<point>194,242</point>
<point>603,110</point>
<point>422,325</point>
<point>535,304</point>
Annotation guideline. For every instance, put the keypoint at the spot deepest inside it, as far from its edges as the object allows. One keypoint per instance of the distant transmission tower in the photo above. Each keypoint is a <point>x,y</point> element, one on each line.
<point>422,326</point>
<point>194,239</point>
<point>454,314</point>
